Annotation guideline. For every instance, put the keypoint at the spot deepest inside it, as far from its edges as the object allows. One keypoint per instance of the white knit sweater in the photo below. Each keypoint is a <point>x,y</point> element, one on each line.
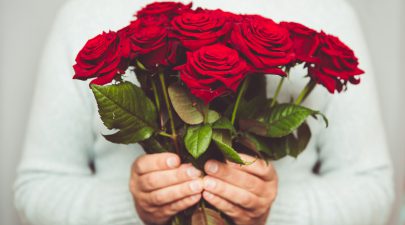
<point>55,185</point>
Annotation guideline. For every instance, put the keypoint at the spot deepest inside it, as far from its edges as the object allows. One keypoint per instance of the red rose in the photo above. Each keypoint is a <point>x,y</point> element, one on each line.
<point>201,28</point>
<point>149,41</point>
<point>264,43</point>
<point>213,71</point>
<point>103,56</point>
<point>169,9</point>
<point>229,16</point>
<point>306,41</point>
<point>337,64</point>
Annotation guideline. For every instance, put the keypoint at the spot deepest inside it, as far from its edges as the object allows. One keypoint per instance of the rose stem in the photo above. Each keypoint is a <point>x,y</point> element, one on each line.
<point>241,92</point>
<point>155,93</point>
<point>157,102</point>
<point>305,92</point>
<point>164,134</point>
<point>279,86</point>
<point>169,111</point>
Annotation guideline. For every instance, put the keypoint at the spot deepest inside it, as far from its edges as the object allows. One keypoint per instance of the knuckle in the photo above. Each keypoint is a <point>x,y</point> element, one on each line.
<point>272,171</point>
<point>181,173</point>
<point>184,190</point>
<point>233,211</point>
<point>255,214</point>
<point>136,166</point>
<point>245,200</point>
<point>174,207</point>
<point>148,182</point>
<point>251,184</point>
<point>168,211</point>
<point>265,172</point>
<point>267,168</point>
<point>141,202</point>
<point>233,208</point>
<point>151,210</point>
<point>260,164</point>
<point>157,199</point>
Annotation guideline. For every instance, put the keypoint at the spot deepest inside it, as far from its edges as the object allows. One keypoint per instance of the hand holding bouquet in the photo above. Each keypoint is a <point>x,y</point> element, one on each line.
<point>202,87</point>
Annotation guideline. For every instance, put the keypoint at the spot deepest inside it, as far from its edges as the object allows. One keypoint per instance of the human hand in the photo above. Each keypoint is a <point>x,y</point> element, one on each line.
<point>244,193</point>
<point>162,187</point>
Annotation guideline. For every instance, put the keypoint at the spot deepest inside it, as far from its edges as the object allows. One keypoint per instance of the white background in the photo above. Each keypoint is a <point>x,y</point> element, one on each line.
<point>24,25</point>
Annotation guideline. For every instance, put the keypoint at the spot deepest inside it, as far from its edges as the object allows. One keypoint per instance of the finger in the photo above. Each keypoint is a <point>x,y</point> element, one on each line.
<point>258,167</point>
<point>236,177</point>
<point>155,162</point>
<point>160,179</point>
<point>173,193</point>
<point>172,209</point>
<point>233,194</point>
<point>230,209</point>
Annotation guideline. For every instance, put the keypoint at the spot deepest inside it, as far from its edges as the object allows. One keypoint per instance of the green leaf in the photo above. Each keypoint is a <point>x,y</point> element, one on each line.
<point>253,126</point>
<point>282,121</point>
<point>224,124</point>
<point>198,139</point>
<point>223,140</point>
<point>212,116</point>
<point>255,143</point>
<point>125,107</point>
<point>285,118</point>
<point>325,119</point>
<point>277,148</point>
<point>185,105</point>
<point>152,145</point>
<point>297,143</point>
<point>206,216</point>
<point>292,144</point>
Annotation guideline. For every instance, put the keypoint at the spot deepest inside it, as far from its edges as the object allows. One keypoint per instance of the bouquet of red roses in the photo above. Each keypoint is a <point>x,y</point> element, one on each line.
<point>202,87</point>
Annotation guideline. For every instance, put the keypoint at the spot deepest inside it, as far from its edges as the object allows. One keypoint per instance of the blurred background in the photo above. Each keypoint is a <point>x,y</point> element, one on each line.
<point>24,25</point>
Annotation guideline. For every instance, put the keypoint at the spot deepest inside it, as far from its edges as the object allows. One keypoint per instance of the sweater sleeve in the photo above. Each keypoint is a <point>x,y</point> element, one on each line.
<point>55,184</point>
<point>354,185</point>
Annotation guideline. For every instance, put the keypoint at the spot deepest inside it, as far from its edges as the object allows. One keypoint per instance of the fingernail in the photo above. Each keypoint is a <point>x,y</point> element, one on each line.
<point>208,195</point>
<point>212,167</point>
<point>209,184</point>
<point>195,186</point>
<point>171,162</point>
<point>193,172</point>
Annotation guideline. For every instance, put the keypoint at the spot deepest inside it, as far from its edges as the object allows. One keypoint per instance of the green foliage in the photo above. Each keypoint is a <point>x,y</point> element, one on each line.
<point>198,139</point>
<point>281,121</point>
<point>298,142</point>
<point>185,104</point>
<point>125,107</point>
<point>276,148</point>
<point>189,108</point>
<point>255,143</point>
<point>212,116</point>
<point>223,140</point>
<point>224,124</point>
<point>152,145</point>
